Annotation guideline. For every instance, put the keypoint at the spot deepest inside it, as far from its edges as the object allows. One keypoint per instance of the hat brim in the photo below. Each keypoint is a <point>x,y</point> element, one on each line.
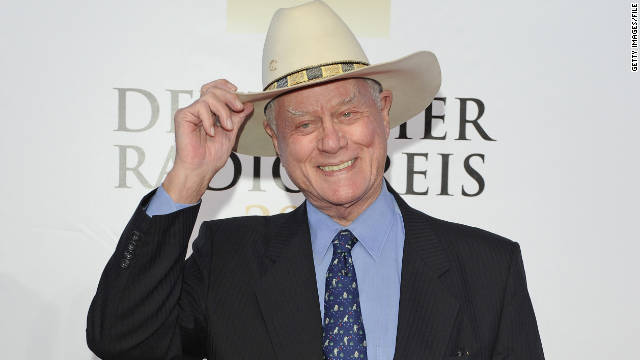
<point>414,81</point>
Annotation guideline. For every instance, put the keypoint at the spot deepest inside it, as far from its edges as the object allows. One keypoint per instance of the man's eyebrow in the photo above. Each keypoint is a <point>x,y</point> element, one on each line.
<point>345,101</point>
<point>349,100</point>
<point>295,112</point>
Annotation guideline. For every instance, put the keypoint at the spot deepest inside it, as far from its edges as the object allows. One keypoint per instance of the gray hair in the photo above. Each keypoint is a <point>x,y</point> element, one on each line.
<point>374,88</point>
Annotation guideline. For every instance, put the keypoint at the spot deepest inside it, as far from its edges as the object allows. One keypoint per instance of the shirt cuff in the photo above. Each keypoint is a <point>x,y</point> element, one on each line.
<point>161,203</point>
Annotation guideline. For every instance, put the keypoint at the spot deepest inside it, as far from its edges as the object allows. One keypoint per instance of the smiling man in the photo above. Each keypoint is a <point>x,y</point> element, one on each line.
<point>353,272</point>
<point>332,139</point>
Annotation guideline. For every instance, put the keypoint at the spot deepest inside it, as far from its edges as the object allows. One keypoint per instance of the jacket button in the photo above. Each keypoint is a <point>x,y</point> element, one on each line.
<point>124,263</point>
<point>461,353</point>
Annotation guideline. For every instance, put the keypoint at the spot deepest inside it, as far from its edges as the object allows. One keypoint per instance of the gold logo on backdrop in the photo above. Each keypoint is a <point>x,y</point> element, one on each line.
<point>259,209</point>
<point>253,16</point>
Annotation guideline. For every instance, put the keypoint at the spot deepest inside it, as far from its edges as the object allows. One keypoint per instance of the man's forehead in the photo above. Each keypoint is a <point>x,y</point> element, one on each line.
<point>336,93</point>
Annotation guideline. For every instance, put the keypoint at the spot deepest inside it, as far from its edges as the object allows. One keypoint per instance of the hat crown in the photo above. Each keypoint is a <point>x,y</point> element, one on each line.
<point>306,36</point>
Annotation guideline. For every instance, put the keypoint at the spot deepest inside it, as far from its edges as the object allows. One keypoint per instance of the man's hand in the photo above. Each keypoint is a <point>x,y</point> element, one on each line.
<point>205,135</point>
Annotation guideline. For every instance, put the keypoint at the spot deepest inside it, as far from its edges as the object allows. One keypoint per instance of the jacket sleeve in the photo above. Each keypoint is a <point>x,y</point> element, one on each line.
<point>518,336</point>
<point>149,301</point>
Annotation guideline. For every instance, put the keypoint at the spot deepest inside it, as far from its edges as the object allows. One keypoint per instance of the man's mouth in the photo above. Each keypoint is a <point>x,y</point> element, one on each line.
<point>337,167</point>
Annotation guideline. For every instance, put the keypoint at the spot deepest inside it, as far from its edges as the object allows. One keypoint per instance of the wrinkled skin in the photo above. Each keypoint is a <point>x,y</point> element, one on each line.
<point>319,130</point>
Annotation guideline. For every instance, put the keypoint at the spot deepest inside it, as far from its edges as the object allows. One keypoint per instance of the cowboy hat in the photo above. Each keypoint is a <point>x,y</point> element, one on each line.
<point>310,44</point>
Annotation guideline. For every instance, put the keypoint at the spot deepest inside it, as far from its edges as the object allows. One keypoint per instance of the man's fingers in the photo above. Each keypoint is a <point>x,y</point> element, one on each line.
<point>229,98</point>
<point>221,111</point>
<point>220,83</point>
<point>223,104</point>
<point>239,117</point>
<point>219,106</point>
<point>228,84</point>
<point>203,112</point>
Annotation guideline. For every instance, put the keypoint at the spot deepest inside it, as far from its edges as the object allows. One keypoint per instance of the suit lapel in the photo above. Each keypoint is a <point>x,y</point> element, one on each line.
<point>287,293</point>
<point>288,298</point>
<point>427,311</point>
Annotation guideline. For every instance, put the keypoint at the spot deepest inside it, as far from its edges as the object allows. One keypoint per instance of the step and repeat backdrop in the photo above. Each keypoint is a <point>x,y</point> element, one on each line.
<point>533,135</point>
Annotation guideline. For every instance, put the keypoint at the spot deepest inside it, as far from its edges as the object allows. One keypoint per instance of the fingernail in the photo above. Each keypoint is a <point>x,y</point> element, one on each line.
<point>213,130</point>
<point>229,124</point>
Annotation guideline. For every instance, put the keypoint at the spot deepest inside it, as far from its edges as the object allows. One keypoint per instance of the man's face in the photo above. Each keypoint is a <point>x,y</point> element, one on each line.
<point>332,140</point>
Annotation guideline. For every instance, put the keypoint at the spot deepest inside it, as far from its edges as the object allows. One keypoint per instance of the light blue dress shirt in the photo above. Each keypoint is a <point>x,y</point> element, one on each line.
<point>377,258</point>
<point>161,203</point>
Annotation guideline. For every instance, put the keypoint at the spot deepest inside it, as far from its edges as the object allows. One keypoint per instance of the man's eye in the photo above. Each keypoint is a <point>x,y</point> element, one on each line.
<point>304,125</point>
<point>346,114</point>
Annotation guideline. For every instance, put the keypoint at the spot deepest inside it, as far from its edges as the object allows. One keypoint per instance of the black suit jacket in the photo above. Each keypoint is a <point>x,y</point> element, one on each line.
<point>248,291</point>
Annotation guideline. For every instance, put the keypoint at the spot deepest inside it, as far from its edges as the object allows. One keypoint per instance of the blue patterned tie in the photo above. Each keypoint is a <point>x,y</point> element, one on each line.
<point>343,336</point>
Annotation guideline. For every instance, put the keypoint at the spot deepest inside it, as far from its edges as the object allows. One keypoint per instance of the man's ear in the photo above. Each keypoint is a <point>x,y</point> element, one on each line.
<point>386,98</point>
<point>272,135</point>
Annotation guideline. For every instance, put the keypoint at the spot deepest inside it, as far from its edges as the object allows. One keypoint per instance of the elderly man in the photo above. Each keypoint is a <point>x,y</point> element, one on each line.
<point>353,273</point>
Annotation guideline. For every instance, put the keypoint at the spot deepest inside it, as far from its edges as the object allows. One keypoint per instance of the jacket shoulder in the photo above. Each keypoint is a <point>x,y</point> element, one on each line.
<point>454,237</point>
<point>465,238</point>
<point>480,259</point>
<point>237,235</point>
<point>247,224</point>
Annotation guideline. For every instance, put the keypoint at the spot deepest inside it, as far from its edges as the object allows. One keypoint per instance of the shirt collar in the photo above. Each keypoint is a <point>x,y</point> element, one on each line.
<point>372,227</point>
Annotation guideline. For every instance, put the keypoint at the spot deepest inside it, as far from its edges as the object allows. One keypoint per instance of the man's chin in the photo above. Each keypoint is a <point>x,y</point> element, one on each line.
<point>339,197</point>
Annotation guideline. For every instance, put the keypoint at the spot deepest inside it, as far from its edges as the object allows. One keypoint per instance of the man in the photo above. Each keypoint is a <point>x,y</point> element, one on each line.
<point>354,272</point>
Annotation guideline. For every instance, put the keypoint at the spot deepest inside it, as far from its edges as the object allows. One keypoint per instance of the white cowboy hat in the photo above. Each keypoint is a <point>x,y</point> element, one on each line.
<point>310,44</point>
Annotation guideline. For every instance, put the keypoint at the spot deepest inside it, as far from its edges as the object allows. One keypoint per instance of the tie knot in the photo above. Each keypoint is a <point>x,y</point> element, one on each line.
<point>344,241</point>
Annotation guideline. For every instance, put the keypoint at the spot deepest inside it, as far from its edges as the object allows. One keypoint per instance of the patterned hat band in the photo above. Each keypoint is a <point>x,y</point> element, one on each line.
<point>315,73</point>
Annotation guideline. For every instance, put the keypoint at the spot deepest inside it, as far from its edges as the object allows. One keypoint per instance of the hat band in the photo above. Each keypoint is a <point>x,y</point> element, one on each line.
<point>315,73</point>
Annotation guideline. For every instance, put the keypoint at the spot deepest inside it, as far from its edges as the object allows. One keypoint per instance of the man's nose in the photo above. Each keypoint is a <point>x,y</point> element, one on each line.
<point>331,140</point>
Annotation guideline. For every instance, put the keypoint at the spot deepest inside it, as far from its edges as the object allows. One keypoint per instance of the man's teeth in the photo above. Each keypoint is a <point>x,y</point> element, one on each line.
<point>336,167</point>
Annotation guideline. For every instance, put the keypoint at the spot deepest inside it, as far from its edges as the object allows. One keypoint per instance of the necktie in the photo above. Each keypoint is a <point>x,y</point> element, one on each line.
<point>343,332</point>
